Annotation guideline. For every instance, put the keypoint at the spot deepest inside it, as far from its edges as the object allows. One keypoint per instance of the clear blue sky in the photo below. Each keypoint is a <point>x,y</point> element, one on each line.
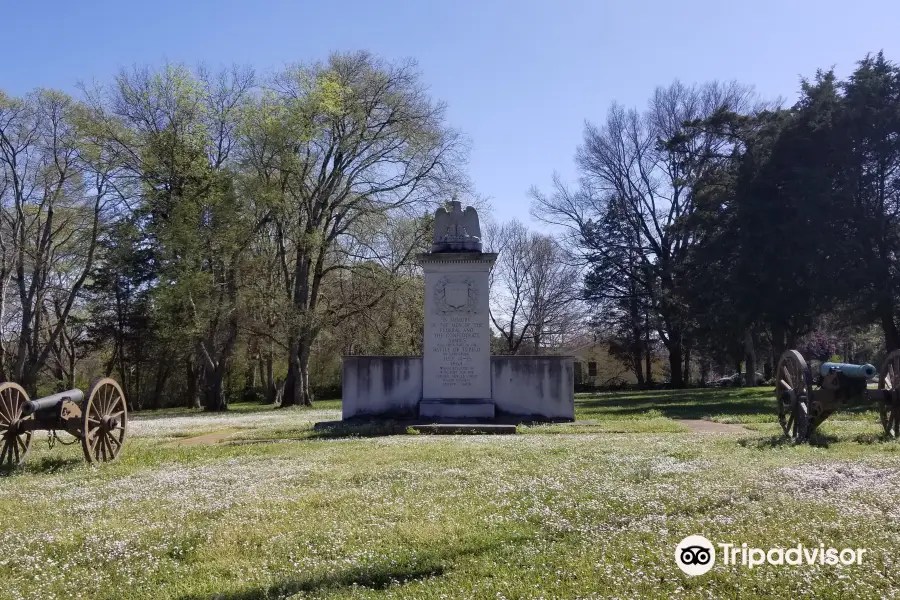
<point>520,77</point>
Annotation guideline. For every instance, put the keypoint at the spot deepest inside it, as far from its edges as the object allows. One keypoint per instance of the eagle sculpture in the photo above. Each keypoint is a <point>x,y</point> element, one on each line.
<point>457,225</point>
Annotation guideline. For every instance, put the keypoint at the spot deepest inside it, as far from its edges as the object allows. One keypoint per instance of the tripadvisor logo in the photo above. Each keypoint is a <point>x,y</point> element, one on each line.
<point>695,555</point>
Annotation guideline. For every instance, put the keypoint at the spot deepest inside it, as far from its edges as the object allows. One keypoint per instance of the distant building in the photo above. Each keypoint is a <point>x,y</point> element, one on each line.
<point>595,367</point>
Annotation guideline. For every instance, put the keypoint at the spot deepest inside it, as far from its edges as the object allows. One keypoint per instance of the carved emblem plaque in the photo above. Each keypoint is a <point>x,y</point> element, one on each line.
<point>455,295</point>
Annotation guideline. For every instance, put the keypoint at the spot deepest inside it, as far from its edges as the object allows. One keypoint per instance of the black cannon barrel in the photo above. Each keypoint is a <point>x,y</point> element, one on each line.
<point>866,371</point>
<point>32,406</point>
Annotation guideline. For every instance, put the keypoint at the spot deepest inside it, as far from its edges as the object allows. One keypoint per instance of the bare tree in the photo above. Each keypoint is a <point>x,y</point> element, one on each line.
<point>631,215</point>
<point>554,295</point>
<point>535,289</point>
<point>509,282</point>
<point>56,191</point>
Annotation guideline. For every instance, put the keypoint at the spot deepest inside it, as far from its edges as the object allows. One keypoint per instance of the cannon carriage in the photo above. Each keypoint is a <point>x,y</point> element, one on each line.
<point>803,407</point>
<point>99,420</point>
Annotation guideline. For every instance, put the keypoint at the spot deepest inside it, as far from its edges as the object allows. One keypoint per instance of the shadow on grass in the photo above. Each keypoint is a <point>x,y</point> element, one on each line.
<point>681,404</point>
<point>363,429</point>
<point>819,440</point>
<point>178,413</point>
<point>46,464</point>
<point>873,438</point>
<point>54,464</point>
<point>377,428</point>
<point>326,430</point>
<point>381,576</point>
<point>776,441</point>
<point>241,408</point>
<point>378,578</point>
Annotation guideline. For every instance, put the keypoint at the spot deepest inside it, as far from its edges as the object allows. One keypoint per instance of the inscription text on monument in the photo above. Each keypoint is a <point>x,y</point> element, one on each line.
<point>457,343</point>
<point>457,335</point>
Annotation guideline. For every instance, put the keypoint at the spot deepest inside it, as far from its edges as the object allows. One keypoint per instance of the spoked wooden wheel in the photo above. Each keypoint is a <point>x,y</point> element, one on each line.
<point>793,394</point>
<point>105,423</point>
<point>889,401</point>
<point>15,441</point>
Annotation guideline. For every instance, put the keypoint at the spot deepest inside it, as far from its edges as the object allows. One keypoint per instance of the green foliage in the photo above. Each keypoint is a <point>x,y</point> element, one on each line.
<point>796,231</point>
<point>231,233</point>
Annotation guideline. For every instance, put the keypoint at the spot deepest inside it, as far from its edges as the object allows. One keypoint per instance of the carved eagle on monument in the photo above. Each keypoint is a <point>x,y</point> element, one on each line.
<point>456,229</point>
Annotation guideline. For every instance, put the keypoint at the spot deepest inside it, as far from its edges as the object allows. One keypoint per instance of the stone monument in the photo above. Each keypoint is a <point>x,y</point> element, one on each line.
<point>457,380</point>
<point>457,345</point>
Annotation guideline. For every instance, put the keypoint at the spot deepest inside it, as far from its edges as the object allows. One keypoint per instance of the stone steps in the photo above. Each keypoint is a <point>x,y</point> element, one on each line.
<point>406,426</point>
<point>448,410</point>
<point>464,428</point>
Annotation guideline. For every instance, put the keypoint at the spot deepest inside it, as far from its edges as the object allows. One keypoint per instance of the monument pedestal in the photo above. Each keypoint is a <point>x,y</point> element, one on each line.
<point>456,380</point>
<point>456,364</point>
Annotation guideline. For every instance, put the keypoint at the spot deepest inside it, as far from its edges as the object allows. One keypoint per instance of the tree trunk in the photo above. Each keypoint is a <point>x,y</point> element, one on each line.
<point>191,399</point>
<point>891,335</point>
<point>28,380</point>
<point>637,350</point>
<point>778,342</point>
<point>213,390</point>
<point>686,374</point>
<point>271,389</point>
<point>648,350</point>
<point>637,359</point>
<point>250,376</point>
<point>260,366</point>
<point>3,279</point>
<point>306,397</point>
<point>290,395</point>
<point>675,360</point>
<point>296,385</point>
<point>792,336</point>
<point>162,375</point>
<point>138,377</point>
<point>70,376</point>
<point>59,374</point>
<point>749,359</point>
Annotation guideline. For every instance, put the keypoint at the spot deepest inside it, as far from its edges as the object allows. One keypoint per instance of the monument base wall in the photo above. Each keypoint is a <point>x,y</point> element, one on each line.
<point>389,386</point>
<point>537,387</point>
<point>527,388</point>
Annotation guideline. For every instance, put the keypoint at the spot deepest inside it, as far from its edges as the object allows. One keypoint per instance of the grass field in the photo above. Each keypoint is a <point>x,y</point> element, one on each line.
<point>586,510</point>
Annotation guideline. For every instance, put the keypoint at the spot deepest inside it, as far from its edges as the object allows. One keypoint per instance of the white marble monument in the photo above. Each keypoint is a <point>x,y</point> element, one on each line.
<point>457,380</point>
<point>457,344</point>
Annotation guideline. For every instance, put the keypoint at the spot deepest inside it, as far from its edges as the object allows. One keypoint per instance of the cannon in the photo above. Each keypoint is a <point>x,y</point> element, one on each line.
<point>802,408</point>
<point>99,420</point>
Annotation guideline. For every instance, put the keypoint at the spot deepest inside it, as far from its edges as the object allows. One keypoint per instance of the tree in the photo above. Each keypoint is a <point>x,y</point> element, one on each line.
<point>766,229</point>
<point>535,292</point>
<point>636,199</point>
<point>56,190</point>
<point>176,131</point>
<point>509,282</point>
<point>122,328</point>
<point>554,295</point>
<point>868,143</point>
<point>337,148</point>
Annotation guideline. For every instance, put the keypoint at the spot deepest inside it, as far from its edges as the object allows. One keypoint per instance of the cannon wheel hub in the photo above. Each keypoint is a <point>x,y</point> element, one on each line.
<point>108,423</point>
